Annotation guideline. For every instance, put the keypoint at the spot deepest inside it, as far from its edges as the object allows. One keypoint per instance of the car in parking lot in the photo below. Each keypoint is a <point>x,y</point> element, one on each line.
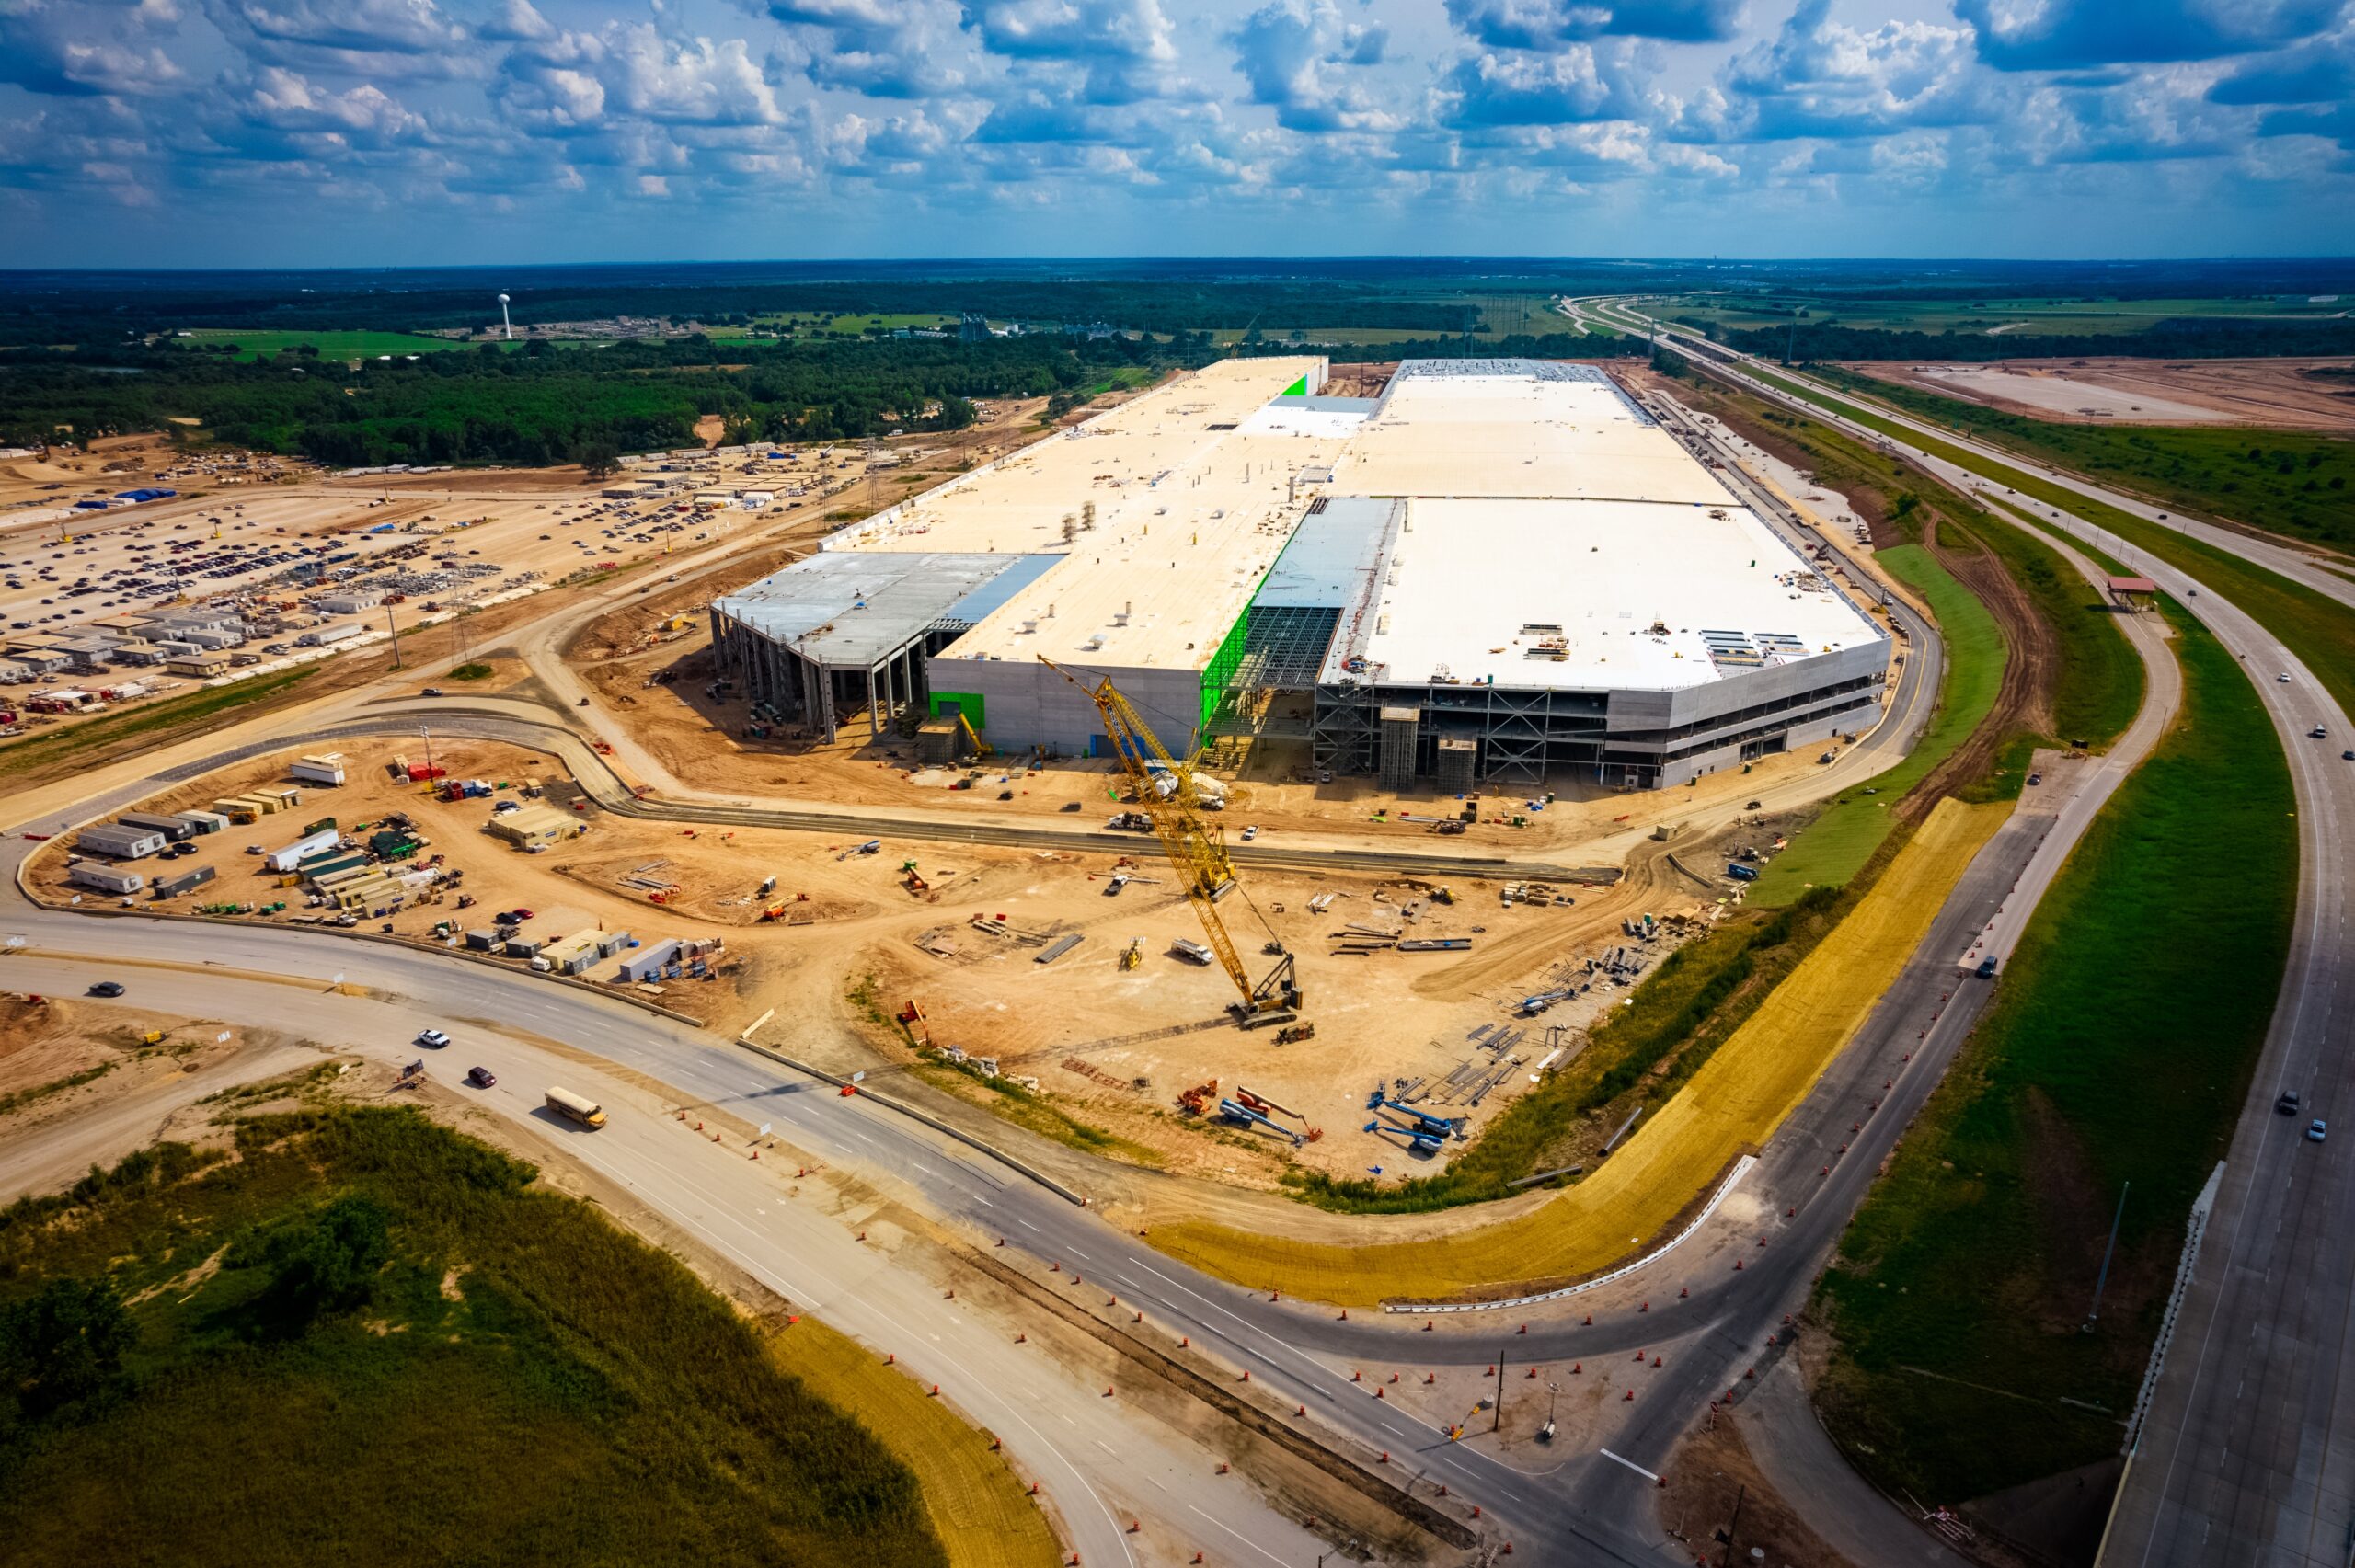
<point>433,1037</point>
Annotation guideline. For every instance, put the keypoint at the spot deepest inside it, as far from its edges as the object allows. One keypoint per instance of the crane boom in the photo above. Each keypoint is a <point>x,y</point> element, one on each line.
<point>1194,848</point>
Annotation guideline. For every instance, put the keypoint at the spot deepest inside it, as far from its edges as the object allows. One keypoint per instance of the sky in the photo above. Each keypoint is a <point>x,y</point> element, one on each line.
<point>383,132</point>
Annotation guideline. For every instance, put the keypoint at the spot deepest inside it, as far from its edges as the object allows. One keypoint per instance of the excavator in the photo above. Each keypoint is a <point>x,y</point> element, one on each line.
<point>1195,848</point>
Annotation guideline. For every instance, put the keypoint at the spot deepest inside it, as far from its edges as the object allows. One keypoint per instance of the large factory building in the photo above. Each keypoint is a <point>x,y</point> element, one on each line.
<point>1498,569</point>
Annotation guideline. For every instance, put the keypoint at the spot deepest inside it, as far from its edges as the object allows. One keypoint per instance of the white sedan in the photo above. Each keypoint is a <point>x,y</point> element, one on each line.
<point>433,1037</point>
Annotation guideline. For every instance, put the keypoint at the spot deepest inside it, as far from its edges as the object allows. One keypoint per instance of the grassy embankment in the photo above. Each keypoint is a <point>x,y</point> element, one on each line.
<point>1735,1101</point>
<point>2095,679</point>
<point>1830,850</point>
<point>364,1337</point>
<point>1956,1297</point>
<point>2293,482</point>
<point>160,722</point>
<point>2318,630</point>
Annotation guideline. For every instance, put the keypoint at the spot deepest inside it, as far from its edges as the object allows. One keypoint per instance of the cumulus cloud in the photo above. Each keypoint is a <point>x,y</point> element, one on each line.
<point>1520,87</point>
<point>1818,77</point>
<point>894,49</point>
<point>1070,107</point>
<point>2320,71</point>
<point>1545,24</point>
<point>52,48</point>
<point>1296,54</point>
<point>2050,35</point>
<point>1126,51</point>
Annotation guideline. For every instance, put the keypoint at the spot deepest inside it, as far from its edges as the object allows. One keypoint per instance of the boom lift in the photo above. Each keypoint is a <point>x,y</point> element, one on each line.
<point>1196,851</point>
<point>981,748</point>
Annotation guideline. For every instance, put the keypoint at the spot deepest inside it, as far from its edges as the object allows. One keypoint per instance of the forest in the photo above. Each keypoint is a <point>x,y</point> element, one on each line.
<point>542,404</point>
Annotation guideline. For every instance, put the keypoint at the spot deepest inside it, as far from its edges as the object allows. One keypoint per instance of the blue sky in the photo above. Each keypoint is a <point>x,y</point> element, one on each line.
<point>367,132</point>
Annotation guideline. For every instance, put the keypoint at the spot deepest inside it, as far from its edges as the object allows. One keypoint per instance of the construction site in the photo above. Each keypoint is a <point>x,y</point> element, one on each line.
<point>1496,570</point>
<point>1229,1026</point>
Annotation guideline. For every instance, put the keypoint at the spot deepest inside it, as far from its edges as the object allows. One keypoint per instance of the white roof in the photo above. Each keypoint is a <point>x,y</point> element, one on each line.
<point>1480,588</point>
<point>1499,427</point>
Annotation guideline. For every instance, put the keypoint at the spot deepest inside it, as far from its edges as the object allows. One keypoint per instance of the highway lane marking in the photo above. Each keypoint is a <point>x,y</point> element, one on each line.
<point>1631,1464</point>
<point>1243,1539</point>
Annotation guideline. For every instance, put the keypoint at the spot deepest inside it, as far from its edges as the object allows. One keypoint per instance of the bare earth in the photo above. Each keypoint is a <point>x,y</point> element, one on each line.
<point>2277,393</point>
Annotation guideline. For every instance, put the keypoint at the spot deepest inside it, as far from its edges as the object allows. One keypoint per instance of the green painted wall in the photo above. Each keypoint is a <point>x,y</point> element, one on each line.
<point>976,712</point>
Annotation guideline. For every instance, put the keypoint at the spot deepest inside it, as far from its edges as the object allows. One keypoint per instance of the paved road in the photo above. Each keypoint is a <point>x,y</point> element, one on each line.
<point>2248,1453</point>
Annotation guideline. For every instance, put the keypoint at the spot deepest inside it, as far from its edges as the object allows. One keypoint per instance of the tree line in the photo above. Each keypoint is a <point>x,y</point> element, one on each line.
<point>545,405</point>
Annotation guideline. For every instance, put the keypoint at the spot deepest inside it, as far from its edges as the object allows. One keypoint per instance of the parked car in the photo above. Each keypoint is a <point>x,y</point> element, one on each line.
<point>433,1037</point>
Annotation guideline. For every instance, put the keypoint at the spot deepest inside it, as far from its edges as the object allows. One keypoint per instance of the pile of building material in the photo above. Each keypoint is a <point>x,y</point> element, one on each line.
<point>999,926</point>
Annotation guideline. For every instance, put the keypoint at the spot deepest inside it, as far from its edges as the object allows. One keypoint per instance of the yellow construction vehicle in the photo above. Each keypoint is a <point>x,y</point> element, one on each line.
<point>1133,954</point>
<point>1194,848</point>
<point>981,747</point>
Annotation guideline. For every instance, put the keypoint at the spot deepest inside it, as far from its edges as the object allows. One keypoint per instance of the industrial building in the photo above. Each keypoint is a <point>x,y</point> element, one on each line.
<point>1499,569</point>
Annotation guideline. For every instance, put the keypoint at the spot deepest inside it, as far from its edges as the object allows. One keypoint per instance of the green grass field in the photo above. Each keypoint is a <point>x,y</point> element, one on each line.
<point>2118,1051</point>
<point>162,720</point>
<point>2318,630</point>
<point>367,1339</point>
<point>330,345</point>
<point>2291,482</point>
<point>1835,846</point>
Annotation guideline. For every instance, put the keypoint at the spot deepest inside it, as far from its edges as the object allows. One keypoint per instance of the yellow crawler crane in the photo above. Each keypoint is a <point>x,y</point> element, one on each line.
<point>1194,847</point>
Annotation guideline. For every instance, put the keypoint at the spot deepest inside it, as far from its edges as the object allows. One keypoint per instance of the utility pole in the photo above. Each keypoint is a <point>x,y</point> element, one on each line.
<point>1497,1416</point>
<point>1733,1523</point>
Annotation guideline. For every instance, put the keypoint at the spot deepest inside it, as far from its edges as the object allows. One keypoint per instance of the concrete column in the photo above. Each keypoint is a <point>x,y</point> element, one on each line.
<point>874,726</point>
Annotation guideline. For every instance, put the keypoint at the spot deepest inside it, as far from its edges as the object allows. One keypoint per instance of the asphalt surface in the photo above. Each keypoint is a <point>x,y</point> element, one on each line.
<point>2247,1452</point>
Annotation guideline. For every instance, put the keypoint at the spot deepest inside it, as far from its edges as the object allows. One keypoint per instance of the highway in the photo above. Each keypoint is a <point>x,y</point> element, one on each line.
<point>2247,1452</point>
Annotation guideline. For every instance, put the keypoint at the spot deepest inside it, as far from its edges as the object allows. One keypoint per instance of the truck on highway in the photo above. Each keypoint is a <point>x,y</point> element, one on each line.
<point>576,1107</point>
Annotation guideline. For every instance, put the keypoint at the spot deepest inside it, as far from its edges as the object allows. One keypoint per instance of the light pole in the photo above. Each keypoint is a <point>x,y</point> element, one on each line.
<point>426,731</point>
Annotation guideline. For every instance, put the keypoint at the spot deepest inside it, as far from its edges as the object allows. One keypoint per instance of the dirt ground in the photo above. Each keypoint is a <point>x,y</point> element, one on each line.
<point>61,1057</point>
<point>1717,1499</point>
<point>1110,1047</point>
<point>2278,394</point>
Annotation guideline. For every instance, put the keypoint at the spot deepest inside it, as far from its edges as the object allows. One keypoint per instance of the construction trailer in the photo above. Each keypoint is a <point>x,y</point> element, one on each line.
<point>535,827</point>
<point>202,822</point>
<point>323,769</point>
<point>301,849</point>
<point>121,843</point>
<point>649,962</point>
<point>193,877</point>
<point>174,828</point>
<point>105,880</point>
